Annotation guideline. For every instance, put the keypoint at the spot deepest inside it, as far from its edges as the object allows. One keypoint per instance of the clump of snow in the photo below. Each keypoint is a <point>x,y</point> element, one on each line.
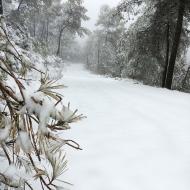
<point>2,55</point>
<point>24,142</point>
<point>44,108</point>
<point>11,171</point>
<point>38,104</point>
<point>5,125</point>
<point>17,176</point>
<point>67,113</point>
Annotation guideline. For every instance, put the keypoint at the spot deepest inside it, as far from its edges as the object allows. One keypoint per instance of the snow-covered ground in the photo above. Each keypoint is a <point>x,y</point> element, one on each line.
<point>135,137</point>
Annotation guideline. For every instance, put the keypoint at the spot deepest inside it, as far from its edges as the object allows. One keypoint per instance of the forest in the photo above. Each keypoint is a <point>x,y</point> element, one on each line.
<point>129,76</point>
<point>143,40</point>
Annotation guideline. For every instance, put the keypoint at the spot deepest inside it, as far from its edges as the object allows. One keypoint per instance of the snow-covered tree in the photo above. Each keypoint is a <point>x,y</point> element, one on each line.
<point>136,40</point>
<point>51,23</point>
<point>158,41</point>
<point>72,15</point>
<point>105,46</point>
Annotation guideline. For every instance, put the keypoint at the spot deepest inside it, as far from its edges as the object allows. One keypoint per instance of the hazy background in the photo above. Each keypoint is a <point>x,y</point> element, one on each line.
<point>93,7</point>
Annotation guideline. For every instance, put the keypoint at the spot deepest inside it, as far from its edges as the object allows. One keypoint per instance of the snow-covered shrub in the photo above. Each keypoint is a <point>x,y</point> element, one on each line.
<point>54,66</point>
<point>35,53</point>
<point>31,115</point>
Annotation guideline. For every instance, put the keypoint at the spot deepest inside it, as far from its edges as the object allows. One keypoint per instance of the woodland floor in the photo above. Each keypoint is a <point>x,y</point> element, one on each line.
<point>135,137</point>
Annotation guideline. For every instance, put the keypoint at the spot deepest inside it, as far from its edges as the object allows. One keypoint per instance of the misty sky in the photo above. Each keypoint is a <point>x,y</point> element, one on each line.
<point>93,7</point>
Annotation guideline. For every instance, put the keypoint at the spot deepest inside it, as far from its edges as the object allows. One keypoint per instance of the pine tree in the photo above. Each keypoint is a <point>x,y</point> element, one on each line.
<point>1,7</point>
<point>161,42</point>
<point>73,14</point>
<point>176,42</point>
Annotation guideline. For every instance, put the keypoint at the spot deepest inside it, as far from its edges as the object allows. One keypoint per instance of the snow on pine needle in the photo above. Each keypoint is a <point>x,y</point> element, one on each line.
<point>32,115</point>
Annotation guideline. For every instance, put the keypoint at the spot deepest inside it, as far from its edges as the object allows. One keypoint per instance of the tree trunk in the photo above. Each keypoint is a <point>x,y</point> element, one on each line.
<point>59,43</point>
<point>167,55</point>
<point>63,27</point>
<point>47,30</point>
<point>98,56</point>
<point>175,46</point>
<point>34,25</point>
<point>18,9</point>
<point>42,33</point>
<point>87,60</point>
<point>1,7</point>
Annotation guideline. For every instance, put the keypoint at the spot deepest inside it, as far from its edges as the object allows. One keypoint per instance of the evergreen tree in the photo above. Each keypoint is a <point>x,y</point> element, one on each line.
<point>72,15</point>
<point>103,43</point>
<point>157,37</point>
<point>182,6</point>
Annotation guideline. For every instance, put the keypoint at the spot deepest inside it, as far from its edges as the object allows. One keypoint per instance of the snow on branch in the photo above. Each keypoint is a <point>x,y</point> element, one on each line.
<point>30,121</point>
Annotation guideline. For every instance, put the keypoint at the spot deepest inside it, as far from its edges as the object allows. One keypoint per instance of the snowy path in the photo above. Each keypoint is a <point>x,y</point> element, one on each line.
<point>135,137</point>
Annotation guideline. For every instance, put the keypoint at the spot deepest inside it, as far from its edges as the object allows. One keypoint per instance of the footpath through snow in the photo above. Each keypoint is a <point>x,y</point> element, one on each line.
<point>135,137</point>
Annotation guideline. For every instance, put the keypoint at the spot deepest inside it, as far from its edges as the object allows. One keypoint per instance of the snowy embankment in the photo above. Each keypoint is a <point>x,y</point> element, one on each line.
<point>135,137</point>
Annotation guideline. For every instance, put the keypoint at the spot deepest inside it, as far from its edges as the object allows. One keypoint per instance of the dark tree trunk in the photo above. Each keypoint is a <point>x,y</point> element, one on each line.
<point>87,60</point>
<point>18,9</point>
<point>47,30</point>
<point>42,33</point>
<point>98,56</point>
<point>34,25</point>
<point>1,7</point>
<point>63,27</point>
<point>167,54</point>
<point>175,46</point>
<point>59,43</point>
